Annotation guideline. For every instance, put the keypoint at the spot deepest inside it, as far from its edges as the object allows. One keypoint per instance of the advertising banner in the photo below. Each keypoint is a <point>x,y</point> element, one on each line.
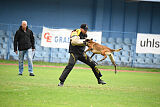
<point>60,38</point>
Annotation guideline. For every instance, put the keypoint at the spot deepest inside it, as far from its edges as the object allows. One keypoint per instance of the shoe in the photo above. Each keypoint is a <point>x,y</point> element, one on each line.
<point>20,74</point>
<point>31,74</point>
<point>61,84</point>
<point>101,82</point>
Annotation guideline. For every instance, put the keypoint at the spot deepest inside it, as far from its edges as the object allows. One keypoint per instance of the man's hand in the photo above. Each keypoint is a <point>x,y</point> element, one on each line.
<point>16,52</point>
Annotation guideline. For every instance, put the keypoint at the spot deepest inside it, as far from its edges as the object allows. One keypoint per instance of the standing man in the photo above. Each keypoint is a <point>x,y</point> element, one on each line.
<point>76,50</point>
<point>24,39</point>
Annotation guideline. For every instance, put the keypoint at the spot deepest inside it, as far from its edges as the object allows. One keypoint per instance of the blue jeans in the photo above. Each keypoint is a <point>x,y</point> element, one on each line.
<point>21,59</point>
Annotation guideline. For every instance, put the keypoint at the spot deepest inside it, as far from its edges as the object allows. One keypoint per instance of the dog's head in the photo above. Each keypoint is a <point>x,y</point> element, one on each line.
<point>89,41</point>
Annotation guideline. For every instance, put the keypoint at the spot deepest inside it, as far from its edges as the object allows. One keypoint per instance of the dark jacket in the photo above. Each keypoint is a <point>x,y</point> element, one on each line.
<point>24,40</point>
<point>78,49</point>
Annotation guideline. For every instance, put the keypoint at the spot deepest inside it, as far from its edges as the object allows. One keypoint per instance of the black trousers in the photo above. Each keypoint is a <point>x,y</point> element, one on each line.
<point>83,58</point>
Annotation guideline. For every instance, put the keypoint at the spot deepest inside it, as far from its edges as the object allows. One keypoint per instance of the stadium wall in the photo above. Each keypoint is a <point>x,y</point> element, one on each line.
<point>104,15</point>
<point>118,20</point>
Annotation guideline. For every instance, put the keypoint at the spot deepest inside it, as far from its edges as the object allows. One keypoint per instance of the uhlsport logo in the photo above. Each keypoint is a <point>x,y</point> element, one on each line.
<point>148,43</point>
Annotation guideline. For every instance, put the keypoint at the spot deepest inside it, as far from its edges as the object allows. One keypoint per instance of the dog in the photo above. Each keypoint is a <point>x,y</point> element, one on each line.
<point>96,48</point>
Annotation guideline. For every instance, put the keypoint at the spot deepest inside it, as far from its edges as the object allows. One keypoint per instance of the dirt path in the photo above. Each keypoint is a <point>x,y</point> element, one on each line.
<point>80,68</point>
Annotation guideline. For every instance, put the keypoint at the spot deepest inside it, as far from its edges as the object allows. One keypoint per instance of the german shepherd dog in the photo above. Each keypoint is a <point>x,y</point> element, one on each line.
<point>96,48</point>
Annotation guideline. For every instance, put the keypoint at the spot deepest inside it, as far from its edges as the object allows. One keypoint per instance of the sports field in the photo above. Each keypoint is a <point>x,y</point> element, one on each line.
<point>125,89</point>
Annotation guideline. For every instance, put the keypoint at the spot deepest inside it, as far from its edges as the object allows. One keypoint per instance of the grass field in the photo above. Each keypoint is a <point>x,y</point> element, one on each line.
<point>125,89</point>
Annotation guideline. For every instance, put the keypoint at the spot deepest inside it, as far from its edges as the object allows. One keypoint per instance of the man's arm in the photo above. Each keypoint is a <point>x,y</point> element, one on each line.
<point>15,42</point>
<point>75,40</point>
<point>32,40</point>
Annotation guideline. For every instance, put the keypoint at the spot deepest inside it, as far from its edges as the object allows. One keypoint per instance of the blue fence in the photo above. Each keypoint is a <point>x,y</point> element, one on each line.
<point>111,39</point>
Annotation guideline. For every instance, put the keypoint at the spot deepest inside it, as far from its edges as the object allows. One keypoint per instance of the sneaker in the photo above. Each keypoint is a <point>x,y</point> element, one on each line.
<point>20,74</point>
<point>31,74</point>
<point>61,84</point>
<point>101,82</point>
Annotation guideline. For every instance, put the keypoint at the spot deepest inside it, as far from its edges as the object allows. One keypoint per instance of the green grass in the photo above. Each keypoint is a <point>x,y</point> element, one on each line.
<point>125,89</point>
<point>83,65</point>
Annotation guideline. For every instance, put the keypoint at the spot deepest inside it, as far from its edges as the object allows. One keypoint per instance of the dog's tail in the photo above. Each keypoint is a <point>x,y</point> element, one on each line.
<point>116,50</point>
